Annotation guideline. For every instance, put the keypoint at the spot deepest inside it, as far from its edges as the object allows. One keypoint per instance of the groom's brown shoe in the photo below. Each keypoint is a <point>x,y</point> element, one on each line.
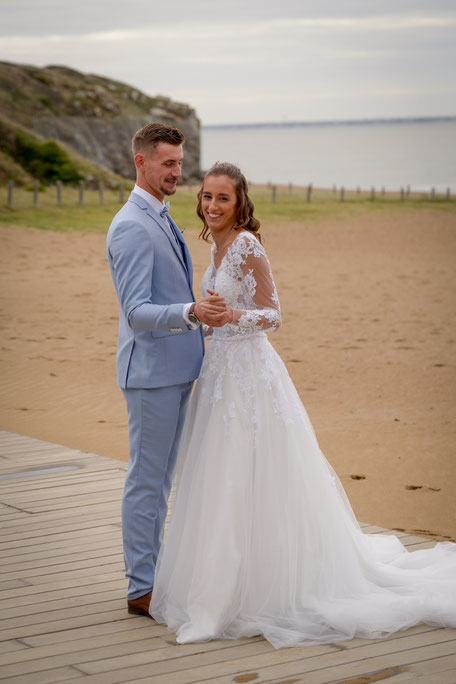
<point>140,605</point>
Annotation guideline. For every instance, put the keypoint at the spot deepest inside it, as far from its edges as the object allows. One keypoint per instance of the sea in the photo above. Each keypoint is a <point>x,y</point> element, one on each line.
<point>419,153</point>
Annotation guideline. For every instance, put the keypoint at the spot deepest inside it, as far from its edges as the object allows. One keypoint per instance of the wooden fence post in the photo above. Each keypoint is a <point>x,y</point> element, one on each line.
<point>402,195</point>
<point>122,192</point>
<point>274,193</point>
<point>59,192</point>
<point>290,186</point>
<point>81,192</point>
<point>407,192</point>
<point>383,191</point>
<point>309,192</point>
<point>35,193</point>
<point>101,191</point>
<point>448,194</point>
<point>358,190</point>
<point>342,194</point>
<point>334,189</point>
<point>432,194</point>
<point>10,192</point>
<point>372,194</point>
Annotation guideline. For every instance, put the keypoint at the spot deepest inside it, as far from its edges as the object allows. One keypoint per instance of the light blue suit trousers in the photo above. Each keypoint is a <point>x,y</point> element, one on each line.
<point>155,420</point>
<point>158,357</point>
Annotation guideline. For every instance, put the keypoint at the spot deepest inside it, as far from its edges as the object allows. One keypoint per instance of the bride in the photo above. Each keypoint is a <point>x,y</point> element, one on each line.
<point>262,538</point>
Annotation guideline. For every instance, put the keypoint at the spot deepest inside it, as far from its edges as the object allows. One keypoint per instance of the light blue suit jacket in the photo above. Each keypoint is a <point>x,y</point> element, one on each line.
<point>153,275</point>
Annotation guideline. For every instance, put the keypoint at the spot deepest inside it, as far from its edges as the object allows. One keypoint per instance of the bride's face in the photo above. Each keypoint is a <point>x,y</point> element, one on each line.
<point>219,203</point>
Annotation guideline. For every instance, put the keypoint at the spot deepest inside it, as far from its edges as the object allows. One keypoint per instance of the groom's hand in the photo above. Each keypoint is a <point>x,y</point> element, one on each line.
<point>211,310</point>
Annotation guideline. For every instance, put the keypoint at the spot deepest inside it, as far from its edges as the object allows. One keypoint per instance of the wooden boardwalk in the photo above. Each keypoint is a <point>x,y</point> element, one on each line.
<point>62,596</point>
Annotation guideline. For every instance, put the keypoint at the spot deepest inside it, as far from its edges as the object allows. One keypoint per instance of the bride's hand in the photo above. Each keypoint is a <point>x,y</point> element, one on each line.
<point>226,317</point>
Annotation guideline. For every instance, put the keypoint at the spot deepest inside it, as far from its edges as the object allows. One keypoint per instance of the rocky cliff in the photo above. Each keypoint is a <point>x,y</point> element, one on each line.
<point>92,115</point>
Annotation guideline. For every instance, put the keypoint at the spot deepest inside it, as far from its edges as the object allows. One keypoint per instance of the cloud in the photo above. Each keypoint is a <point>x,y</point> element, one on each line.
<point>290,58</point>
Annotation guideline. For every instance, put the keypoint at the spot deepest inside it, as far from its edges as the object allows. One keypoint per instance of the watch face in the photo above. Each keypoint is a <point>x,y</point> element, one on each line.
<point>193,318</point>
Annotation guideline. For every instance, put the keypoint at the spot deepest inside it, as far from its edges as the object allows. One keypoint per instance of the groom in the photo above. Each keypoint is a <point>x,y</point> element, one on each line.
<point>160,347</point>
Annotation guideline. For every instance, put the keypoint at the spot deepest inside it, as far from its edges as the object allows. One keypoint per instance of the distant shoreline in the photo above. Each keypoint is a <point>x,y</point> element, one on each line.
<point>336,122</point>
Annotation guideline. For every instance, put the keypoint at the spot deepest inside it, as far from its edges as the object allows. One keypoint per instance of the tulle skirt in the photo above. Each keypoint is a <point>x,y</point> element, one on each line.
<point>262,538</point>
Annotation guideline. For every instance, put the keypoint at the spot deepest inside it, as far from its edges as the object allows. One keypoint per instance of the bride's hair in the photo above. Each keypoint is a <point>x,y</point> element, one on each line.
<point>245,219</point>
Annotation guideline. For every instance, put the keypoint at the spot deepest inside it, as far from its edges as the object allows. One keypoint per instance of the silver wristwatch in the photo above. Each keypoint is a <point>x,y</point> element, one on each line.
<point>192,315</point>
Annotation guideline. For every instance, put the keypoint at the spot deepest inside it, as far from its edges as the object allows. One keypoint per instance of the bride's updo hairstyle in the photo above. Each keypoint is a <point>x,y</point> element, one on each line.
<point>245,219</point>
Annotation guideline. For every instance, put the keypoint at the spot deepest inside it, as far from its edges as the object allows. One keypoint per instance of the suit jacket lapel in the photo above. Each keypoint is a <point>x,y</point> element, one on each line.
<point>184,249</point>
<point>168,232</point>
<point>180,247</point>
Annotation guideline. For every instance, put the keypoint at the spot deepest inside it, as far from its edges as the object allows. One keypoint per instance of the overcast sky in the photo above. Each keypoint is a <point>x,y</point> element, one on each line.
<point>252,60</point>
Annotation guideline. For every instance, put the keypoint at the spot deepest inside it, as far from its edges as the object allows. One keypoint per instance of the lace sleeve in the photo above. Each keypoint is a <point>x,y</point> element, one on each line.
<point>257,275</point>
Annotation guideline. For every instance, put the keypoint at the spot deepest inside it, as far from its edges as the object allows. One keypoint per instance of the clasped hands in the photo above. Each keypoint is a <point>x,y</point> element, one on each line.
<point>213,311</point>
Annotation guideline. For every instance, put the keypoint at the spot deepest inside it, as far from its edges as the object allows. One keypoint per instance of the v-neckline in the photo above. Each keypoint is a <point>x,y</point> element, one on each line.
<point>216,268</point>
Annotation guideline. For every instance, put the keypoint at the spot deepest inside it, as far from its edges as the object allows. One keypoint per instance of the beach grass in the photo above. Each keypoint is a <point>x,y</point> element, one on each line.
<point>289,205</point>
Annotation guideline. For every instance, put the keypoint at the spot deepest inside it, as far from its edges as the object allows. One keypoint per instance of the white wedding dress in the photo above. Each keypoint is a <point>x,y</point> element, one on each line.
<point>262,538</point>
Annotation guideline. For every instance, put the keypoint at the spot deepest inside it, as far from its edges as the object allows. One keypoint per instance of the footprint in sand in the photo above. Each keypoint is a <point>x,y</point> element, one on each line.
<point>428,489</point>
<point>358,477</point>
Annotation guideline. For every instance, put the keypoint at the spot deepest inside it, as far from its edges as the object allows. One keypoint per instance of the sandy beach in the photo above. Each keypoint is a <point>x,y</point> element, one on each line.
<point>368,336</point>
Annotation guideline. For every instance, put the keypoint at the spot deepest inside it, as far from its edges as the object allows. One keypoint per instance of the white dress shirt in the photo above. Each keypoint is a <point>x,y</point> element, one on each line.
<point>158,205</point>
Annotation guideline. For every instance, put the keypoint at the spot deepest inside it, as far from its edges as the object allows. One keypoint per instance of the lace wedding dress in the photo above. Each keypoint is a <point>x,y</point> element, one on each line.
<point>262,539</point>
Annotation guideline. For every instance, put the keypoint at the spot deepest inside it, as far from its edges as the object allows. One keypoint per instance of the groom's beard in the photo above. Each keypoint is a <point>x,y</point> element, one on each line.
<point>167,189</point>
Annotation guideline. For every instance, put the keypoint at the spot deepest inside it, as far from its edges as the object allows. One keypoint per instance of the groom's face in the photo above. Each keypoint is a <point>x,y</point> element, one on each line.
<point>159,169</point>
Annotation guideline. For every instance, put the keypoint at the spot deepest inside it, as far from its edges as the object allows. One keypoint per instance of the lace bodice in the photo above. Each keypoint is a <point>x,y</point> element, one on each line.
<point>245,279</point>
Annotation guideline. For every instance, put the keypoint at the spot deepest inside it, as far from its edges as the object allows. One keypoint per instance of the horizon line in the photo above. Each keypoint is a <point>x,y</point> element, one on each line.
<point>334,122</point>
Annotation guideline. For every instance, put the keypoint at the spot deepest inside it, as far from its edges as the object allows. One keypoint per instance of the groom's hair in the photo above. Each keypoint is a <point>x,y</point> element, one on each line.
<point>148,137</point>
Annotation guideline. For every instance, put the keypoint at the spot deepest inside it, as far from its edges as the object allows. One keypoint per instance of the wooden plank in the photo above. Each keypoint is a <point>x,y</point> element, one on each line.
<point>373,529</point>
<point>64,567</point>
<point>84,463</point>
<point>86,644</point>
<point>92,512</point>
<point>75,634</point>
<point>62,548</point>
<point>269,665</point>
<point>132,648</point>
<point>35,450</point>
<point>86,572</point>
<point>61,674</point>
<point>54,661</point>
<point>414,643</point>
<point>421,545</point>
<point>66,623</point>
<point>74,502</point>
<point>13,584</point>
<point>84,559</point>
<point>415,672</point>
<point>26,464</point>
<point>185,658</point>
<point>82,594</point>
<point>12,647</point>
<point>34,483</point>
<point>28,612</point>
<point>72,582</point>
<point>66,492</point>
<point>104,605</point>
<point>371,671</point>
<point>64,607</point>
<point>77,529</point>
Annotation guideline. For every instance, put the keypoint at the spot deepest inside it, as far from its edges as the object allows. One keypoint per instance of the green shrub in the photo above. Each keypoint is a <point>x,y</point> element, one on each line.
<point>45,161</point>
